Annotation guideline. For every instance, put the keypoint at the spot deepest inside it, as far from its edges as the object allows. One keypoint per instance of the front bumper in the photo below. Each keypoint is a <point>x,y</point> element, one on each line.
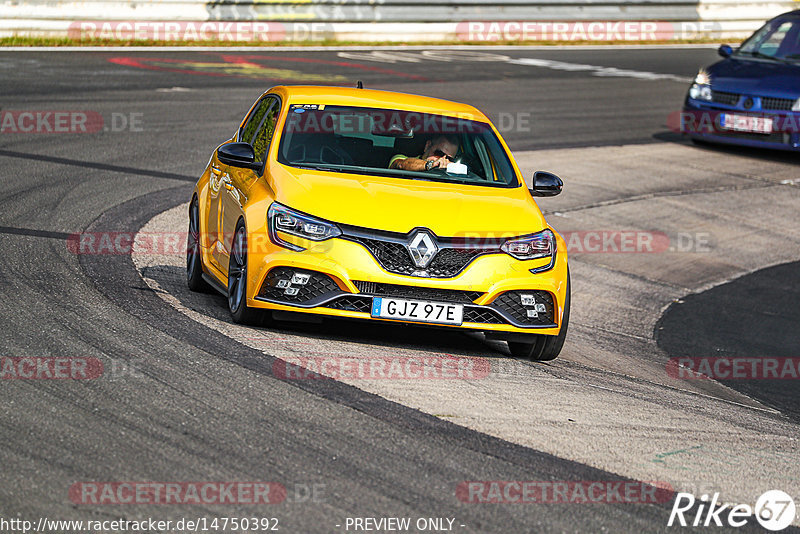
<point>340,277</point>
<point>702,121</point>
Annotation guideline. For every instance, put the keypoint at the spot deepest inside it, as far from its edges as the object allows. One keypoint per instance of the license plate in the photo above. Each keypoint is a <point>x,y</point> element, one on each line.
<point>417,310</point>
<point>746,123</point>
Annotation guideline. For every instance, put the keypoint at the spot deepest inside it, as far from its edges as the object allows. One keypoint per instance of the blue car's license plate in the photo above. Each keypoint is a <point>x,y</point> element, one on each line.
<point>746,123</point>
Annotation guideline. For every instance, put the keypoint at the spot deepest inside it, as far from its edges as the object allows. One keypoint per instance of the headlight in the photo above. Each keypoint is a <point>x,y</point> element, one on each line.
<point>796,106</point>
<point>541,245</point>
<point>701,88</point>
<point>283,219</point>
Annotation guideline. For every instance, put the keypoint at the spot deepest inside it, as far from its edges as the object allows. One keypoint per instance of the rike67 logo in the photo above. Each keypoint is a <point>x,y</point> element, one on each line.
<point>774,510</point>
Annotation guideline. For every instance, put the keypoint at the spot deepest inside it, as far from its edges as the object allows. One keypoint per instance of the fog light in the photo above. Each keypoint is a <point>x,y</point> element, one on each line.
<point>291,291</point>
<point>300,279</point>
<point>282,284</point>
<point>527,300</point>
<point>540,308</point>
<point>533,314</point>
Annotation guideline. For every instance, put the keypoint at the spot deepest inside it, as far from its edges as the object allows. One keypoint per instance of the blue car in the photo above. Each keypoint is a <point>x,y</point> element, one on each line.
<point>752,97</point>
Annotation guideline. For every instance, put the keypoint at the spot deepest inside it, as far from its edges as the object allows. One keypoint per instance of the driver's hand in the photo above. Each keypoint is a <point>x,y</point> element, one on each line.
<point>440,163</point>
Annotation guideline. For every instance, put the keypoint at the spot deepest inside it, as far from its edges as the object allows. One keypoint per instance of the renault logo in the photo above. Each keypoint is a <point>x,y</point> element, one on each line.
<point>422,248</point>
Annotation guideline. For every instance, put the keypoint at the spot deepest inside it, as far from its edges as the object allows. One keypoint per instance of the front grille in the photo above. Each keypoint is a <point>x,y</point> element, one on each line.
<point>450,261</point>
<point>730,99</point>
<point>317,288</point>
<point>472,314</point>
<point>779,104</point>
<point>767,102</point>
<point>775,137</point>
<point>511,303</point>
<point>351,303</point>
<point>481,315</point>
<point>420,293</point>
<point>394,257</point>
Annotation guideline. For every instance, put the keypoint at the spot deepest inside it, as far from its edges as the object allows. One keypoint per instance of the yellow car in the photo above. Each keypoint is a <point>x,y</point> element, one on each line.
<point>376,205</point>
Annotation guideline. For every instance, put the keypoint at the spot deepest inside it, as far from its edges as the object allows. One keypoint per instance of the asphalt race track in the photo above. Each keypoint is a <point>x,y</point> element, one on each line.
<point>187,396</point>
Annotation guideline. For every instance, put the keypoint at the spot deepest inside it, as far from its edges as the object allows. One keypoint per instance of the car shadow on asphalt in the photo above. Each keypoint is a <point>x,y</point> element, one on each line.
<point>765,154</point>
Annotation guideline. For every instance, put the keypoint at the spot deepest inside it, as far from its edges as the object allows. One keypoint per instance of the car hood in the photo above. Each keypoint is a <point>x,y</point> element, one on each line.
<point>400,205</point>
<point>759,78</point>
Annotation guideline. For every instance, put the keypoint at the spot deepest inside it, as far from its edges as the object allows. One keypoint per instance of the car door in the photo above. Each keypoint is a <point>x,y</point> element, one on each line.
<point>220,183</point>
<point>214,202</point>
<point>237,181</point>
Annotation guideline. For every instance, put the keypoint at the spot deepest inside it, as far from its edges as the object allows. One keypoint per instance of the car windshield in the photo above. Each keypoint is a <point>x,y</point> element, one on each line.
<point>366,141</point>
<point>778,40</point>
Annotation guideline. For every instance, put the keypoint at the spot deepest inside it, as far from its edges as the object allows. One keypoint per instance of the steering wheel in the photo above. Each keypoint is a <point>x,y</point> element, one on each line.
<point>320,154</point>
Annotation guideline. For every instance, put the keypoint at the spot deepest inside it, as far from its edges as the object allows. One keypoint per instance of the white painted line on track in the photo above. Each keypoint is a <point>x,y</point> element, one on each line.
<point>447,56</point>
<point>596,70</point>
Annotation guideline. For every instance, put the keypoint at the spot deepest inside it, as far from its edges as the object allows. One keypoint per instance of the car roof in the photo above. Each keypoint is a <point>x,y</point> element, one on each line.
<point>795,13</point>
<point>373,98</point>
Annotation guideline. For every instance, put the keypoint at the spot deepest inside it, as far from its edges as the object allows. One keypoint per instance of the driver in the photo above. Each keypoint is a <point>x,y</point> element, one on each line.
<point>438,153</point>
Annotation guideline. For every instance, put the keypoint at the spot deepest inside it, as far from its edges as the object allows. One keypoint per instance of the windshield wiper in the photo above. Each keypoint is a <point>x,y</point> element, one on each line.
<point>318,168</point>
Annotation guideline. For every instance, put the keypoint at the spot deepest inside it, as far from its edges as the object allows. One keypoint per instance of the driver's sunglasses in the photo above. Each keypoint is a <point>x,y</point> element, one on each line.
<point>439,154</point>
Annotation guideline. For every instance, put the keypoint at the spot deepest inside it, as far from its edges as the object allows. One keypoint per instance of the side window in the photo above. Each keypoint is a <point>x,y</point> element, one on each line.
<point>265,131</point>
<point>249,130</point>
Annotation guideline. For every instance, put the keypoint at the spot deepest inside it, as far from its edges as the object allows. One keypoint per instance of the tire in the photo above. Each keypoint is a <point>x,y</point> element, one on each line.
<point>237,279</point>
<point>543,348</point>
<point>194,260</point>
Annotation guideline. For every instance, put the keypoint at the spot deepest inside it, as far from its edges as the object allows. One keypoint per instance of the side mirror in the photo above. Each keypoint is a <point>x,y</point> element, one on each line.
<point>546,184</point>
<point>238,155</point>
<point>725,50</point>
